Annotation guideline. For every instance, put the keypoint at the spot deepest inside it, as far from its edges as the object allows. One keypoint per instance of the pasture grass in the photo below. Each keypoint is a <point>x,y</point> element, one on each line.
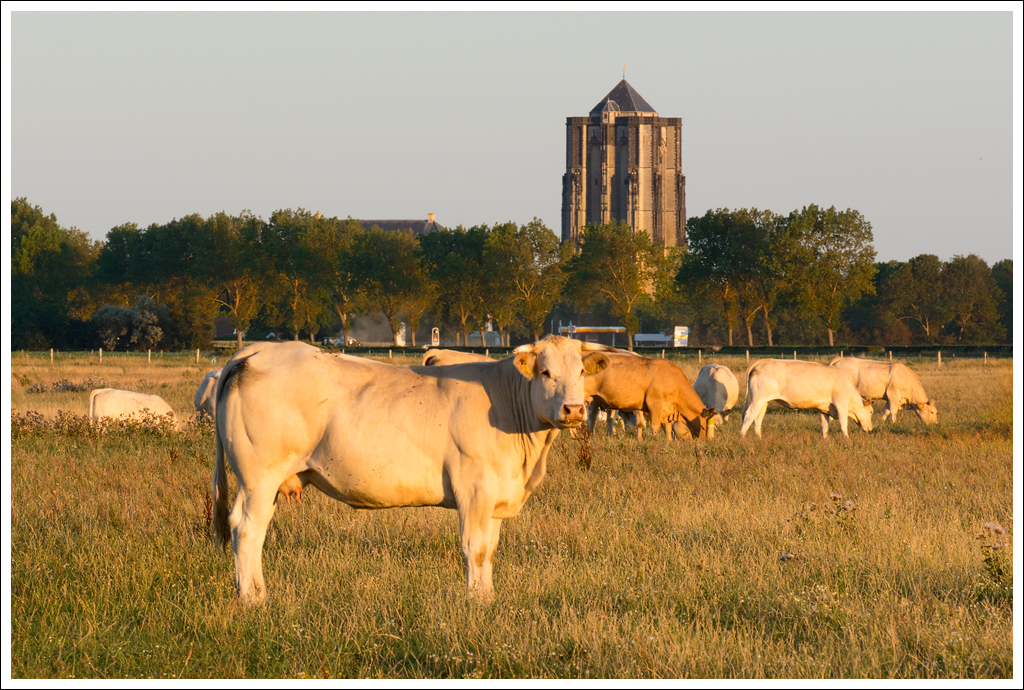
<point>788,556</point>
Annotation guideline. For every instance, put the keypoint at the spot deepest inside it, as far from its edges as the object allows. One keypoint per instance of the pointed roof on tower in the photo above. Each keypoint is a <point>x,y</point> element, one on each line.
<point>623,98</point>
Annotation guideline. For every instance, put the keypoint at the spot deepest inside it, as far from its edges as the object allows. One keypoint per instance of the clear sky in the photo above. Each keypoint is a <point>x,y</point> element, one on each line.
<point>144,117</point>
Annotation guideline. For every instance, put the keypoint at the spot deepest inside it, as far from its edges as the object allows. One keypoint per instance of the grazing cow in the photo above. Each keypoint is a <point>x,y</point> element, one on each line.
<point>718,388</point>
<point>890,381</point>
<point>112,403</point>
<point>442,358</point>
<point>803,386</point>
<point>206,394</point>
<point>655,386</point>
<point>472,437</point>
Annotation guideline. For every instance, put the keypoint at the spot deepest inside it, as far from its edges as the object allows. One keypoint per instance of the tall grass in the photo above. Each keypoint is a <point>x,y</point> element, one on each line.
<point>789,556</point>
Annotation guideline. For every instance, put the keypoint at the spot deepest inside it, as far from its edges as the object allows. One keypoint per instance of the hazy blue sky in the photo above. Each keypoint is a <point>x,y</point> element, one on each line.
<point>144,117</point>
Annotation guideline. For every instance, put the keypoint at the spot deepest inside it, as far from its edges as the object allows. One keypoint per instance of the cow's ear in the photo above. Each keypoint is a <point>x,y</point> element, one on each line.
<point>594,363</point>
<point>525,363</point>
<point>708,412</point>
<point>867,401</point>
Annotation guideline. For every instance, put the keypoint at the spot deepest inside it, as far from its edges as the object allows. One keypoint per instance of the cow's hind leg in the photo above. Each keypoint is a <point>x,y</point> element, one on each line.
<point>250,517</point>
<point>753,414</point>
<point>824,425</point>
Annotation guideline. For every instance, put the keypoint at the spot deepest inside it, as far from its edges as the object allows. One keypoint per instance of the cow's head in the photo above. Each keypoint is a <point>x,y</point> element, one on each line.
<point>555,369</point>
<point>862,413</point>
<point>697,427</point>
<point>927,411</point>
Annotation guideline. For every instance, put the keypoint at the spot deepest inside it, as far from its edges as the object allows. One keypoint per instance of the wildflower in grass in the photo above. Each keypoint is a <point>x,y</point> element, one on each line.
<point>849,506</point>
<point>835,497</point>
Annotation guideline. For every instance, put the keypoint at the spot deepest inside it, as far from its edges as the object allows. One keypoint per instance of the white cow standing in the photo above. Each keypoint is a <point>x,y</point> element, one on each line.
<point>113,404</point>
<point>471,437</point>
<point>718,388</point>
<point>206,395</point>
<point>890,381</point>
<point>803,386</point>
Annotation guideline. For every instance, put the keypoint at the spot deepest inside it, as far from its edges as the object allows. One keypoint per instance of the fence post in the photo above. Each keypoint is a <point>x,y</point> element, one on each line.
<point>487,352</point>
<point>986,358</point>
<point>389,354</point>
<point>748,356</point>
<point>794,354</point>
<point>101,355</point>
<point>890,355</point>
<point>940,358</point>
<point>51,356</point>
<point>149,356</point>
<point>700,356</point>
<point>663,353</point>
<point>840,354</point>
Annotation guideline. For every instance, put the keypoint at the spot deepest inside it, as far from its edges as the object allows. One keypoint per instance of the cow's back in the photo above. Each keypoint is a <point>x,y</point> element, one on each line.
<point>869,377</point>
<point>800,384</point>
<point>904,378</point>
<point>381,434</point>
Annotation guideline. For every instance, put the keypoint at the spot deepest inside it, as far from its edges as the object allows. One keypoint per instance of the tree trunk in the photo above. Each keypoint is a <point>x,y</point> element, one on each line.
<point>768,328</point>
<point>238,332</point>
<point>750,335</point>
<point>344,327</point>
<point>730,336</point>
<point>831,342</point>
<point>629,335</point>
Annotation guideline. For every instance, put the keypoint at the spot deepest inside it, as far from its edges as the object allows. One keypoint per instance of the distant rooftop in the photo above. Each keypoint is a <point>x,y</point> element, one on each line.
<point>623,98</point>
<point>418,226</point>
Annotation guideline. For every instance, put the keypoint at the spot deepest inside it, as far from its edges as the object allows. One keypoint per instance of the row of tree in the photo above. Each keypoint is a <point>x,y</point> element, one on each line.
<point>815,269</point>
<point>799,277</point>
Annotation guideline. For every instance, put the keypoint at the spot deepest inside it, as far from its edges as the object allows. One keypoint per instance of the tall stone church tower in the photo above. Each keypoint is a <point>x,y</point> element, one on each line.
<point>622,162</point>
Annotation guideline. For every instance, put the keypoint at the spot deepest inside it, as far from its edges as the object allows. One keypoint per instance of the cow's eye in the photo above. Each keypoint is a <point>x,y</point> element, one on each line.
<point>546,374</point>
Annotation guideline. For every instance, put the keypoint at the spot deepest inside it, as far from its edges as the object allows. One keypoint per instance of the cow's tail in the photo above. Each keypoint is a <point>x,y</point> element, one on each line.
<point>746,395</point>
<point>92,403</point>
<point>219,527</point>
<point>221,531</point>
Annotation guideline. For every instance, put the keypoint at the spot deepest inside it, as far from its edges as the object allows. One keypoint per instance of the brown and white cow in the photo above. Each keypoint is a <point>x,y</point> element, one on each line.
<point>110,403</point>
<point>890,381</point>
<point>718,388</point>
<point>803,386</point>
<point>472,437</point>
<point>655,386</point>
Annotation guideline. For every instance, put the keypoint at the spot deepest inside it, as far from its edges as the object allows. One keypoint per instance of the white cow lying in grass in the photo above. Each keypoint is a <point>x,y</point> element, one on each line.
<point>110,403</point>
<point>890,381</point>
<point>803,386</point>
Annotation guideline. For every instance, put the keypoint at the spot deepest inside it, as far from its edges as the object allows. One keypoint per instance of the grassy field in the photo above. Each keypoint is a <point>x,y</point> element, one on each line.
<point>790,556</point>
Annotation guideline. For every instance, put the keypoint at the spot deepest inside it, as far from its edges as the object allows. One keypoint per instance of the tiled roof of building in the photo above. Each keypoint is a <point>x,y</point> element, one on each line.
<point>623,98</point>
<point>419,226</point>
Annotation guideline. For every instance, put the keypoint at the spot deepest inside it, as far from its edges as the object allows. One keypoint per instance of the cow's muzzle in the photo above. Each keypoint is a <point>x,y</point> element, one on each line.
<point>572,414</point>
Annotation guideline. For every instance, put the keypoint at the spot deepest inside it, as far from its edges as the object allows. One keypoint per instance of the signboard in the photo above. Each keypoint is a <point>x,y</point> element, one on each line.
<point>435,337</point>
<point>682,336</point>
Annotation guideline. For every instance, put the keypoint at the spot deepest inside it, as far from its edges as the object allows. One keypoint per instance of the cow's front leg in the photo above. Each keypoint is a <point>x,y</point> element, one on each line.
<point>824,425</point>
<point>479,532</point>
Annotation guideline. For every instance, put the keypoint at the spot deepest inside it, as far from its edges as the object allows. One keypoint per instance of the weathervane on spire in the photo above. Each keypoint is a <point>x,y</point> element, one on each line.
<point>623,70</point>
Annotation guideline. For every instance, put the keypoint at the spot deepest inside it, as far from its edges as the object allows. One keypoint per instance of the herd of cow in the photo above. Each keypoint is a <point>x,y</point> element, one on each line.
<point>467,432</point>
